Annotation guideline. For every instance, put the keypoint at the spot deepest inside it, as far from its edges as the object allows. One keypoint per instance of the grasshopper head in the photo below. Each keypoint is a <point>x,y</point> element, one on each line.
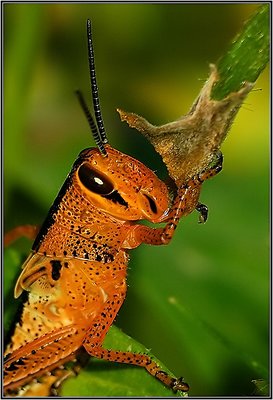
<point>121,185</point>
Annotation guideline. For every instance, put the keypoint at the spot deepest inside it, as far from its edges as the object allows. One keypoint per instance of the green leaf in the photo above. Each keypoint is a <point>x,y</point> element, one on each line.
<point>101,378</point>
<point>261,387</point>
<point>247,56</point>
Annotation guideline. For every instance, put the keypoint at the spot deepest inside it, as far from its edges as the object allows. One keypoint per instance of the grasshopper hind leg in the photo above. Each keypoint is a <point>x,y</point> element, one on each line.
<point>50,383</point>
<point>141,360</point>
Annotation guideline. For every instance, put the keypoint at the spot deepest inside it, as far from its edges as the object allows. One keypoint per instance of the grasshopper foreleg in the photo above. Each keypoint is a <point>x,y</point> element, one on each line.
<point>184,203</point>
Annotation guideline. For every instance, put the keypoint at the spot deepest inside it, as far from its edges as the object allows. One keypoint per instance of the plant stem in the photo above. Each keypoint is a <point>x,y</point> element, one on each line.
<point>246,57</point>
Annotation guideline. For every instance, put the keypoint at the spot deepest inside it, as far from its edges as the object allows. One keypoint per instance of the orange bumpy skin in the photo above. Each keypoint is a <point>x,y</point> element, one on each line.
<point>76,273</point>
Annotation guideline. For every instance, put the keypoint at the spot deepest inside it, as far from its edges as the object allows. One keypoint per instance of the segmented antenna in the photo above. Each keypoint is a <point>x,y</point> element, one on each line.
<point>94,87</point>
<point>92,123</point>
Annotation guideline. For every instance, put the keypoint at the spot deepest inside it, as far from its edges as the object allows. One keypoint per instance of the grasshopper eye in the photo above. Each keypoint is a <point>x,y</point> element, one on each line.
<point>94,181</point>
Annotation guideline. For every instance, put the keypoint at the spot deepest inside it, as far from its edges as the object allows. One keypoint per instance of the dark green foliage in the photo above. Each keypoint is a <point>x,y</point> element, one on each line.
<point>200,303</point>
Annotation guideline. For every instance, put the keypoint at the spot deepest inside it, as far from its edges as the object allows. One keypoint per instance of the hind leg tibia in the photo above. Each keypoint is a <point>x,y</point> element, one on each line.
<point>142,360</point>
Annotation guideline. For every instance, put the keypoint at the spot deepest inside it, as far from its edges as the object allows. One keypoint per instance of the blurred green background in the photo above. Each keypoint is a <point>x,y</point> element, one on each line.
<point>201,303</point>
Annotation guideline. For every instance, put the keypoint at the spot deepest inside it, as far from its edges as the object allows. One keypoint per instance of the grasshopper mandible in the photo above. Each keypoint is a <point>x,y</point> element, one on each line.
<point>75,275</point>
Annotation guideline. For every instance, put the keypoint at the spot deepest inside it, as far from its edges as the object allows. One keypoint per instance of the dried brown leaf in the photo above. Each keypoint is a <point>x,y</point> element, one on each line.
<point>190,144</point>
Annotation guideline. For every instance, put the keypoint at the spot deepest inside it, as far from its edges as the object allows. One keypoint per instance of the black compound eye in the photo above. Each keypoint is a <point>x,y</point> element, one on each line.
<point>94,181</point>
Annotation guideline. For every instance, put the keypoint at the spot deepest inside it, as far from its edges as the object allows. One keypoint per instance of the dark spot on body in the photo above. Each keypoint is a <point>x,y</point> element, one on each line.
<point>108,257</point>
<point>12,367</point>
<point>56,268</point>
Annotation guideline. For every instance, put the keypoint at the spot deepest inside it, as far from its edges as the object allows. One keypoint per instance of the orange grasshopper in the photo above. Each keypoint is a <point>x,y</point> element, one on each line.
<point>75,275</point>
